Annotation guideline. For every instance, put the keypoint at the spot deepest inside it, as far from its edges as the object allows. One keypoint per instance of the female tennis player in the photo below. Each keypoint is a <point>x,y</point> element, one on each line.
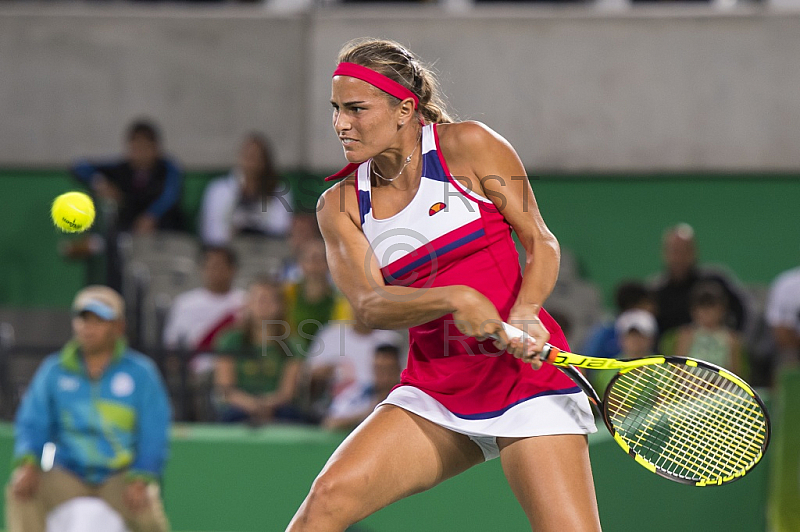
<point>410,245</point>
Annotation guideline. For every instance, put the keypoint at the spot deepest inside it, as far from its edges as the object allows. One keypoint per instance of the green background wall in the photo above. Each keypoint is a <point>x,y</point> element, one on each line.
<point>613,224</point>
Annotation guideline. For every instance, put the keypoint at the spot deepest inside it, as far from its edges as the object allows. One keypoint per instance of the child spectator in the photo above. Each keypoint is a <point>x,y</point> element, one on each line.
<point>357,401</point>
<point>603,340</point>
<point>250,199</point>
<point>257,371</point>
<point>707,337</point>
<point>637,332</point>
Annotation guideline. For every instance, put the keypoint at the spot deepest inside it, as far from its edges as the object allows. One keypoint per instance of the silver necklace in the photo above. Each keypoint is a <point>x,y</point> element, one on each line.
<point>408,160</point>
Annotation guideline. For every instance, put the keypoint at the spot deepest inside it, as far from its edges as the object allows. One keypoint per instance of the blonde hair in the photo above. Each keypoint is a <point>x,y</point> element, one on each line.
<point>395,62</point>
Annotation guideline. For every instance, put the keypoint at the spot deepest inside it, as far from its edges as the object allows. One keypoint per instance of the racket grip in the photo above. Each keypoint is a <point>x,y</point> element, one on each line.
<point>549,351</point>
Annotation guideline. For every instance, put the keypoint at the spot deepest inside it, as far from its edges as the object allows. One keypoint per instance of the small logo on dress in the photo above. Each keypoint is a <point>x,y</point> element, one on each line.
<point>436,207</point>
<point>122,385</point>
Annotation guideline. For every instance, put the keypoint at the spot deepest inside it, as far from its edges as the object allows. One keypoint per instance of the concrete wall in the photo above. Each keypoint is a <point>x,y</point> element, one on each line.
<point>572,89</point>
<point>71,78</point>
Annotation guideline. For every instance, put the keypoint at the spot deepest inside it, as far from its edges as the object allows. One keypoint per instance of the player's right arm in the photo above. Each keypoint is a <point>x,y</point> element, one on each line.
<point>356,272</point>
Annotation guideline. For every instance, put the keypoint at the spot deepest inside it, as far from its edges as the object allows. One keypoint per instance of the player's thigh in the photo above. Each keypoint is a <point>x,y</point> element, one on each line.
<point>393,454</point>
<point>552,478</point>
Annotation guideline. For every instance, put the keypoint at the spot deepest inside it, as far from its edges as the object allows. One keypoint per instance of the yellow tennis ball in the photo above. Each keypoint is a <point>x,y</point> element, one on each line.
<point>73,212</point>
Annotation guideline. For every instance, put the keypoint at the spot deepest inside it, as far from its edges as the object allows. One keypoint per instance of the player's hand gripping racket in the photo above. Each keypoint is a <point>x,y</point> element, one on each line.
<point>684,419</point>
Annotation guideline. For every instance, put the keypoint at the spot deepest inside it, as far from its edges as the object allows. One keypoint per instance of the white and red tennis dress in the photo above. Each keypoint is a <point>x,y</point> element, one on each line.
<point>449,236</point>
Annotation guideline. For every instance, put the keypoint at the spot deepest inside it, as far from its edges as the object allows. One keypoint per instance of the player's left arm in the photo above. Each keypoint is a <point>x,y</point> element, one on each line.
<point>501,177</point>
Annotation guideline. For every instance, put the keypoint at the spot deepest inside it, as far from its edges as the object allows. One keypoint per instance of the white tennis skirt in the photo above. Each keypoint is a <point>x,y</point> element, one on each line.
<point>539,416</point>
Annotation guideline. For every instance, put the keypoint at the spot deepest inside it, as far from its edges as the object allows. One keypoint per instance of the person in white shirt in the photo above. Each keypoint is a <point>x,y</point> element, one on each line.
<point>357,401</point>
<point>197,315</point>
<point>783,316</point>
<point>250,199</point>
<point>341,355</point>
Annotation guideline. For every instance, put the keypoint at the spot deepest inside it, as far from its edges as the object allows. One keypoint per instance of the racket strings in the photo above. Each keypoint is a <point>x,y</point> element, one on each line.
<point>729,434</point>
<point>679,457</point>
<point>704,462</point>
<point>734,437</point>
<point>687,421</point>
<point>666,456</point>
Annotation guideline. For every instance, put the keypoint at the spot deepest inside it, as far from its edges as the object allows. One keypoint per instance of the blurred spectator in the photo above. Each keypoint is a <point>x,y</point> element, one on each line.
<point>138,193</point>
<point>197,316</point>
<point>340,357</point>
<point>104,408</point>
<point>145,184</point>
<point>707,337</point>
<point>680,276</point>
<point>783,316</point>
<point>313,301</point>
<point>603,340</point>
<point>637,331</point>
<point>563,321</point>
<point>357,401</point>
<point>303,229</point>
<point>250,199</point>
<point>257,371</point>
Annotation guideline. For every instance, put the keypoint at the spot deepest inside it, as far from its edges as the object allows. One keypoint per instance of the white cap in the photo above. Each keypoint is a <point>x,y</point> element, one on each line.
<point>103,301</point>
<point>638,320</point>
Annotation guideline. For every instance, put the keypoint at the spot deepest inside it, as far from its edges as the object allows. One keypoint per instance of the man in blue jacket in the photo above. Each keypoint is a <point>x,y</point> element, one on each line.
<point>145,183</point>
<point>104,408</point>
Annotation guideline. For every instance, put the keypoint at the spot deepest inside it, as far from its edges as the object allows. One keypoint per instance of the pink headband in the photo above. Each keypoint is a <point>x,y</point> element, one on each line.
<point>376,79</point>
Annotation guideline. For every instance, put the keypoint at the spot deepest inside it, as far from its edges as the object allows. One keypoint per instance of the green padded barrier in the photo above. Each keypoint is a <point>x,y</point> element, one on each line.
<point>225,479</point>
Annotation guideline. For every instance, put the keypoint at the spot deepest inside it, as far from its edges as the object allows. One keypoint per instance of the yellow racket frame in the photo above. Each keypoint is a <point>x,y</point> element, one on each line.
<point>569,361</point>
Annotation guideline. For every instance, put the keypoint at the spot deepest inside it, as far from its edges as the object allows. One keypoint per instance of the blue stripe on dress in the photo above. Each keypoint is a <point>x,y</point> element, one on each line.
<point>436,253</point>
<point>364,204</point>
<point>497,413</point>
<point>433,168</point>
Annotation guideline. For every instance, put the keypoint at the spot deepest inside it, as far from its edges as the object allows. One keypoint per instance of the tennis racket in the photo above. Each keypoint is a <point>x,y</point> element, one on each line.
<point>681,418</point>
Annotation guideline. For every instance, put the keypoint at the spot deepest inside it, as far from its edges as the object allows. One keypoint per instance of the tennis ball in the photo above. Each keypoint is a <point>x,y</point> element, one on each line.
<point>73,212</point>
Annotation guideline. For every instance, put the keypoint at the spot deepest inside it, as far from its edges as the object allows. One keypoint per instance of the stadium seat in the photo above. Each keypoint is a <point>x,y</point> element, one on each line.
<point>155,288</point>
<point>258,255</point>
<point>157,248</point>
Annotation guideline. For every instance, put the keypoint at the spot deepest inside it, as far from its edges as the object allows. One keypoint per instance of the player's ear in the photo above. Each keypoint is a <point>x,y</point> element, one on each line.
<point>406,112</point>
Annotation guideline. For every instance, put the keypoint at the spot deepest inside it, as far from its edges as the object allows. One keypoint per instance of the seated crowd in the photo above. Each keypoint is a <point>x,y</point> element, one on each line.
<point>279,350</point>
<point>284,346</point>
<point>279,346</point>
<point>700,312</point>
